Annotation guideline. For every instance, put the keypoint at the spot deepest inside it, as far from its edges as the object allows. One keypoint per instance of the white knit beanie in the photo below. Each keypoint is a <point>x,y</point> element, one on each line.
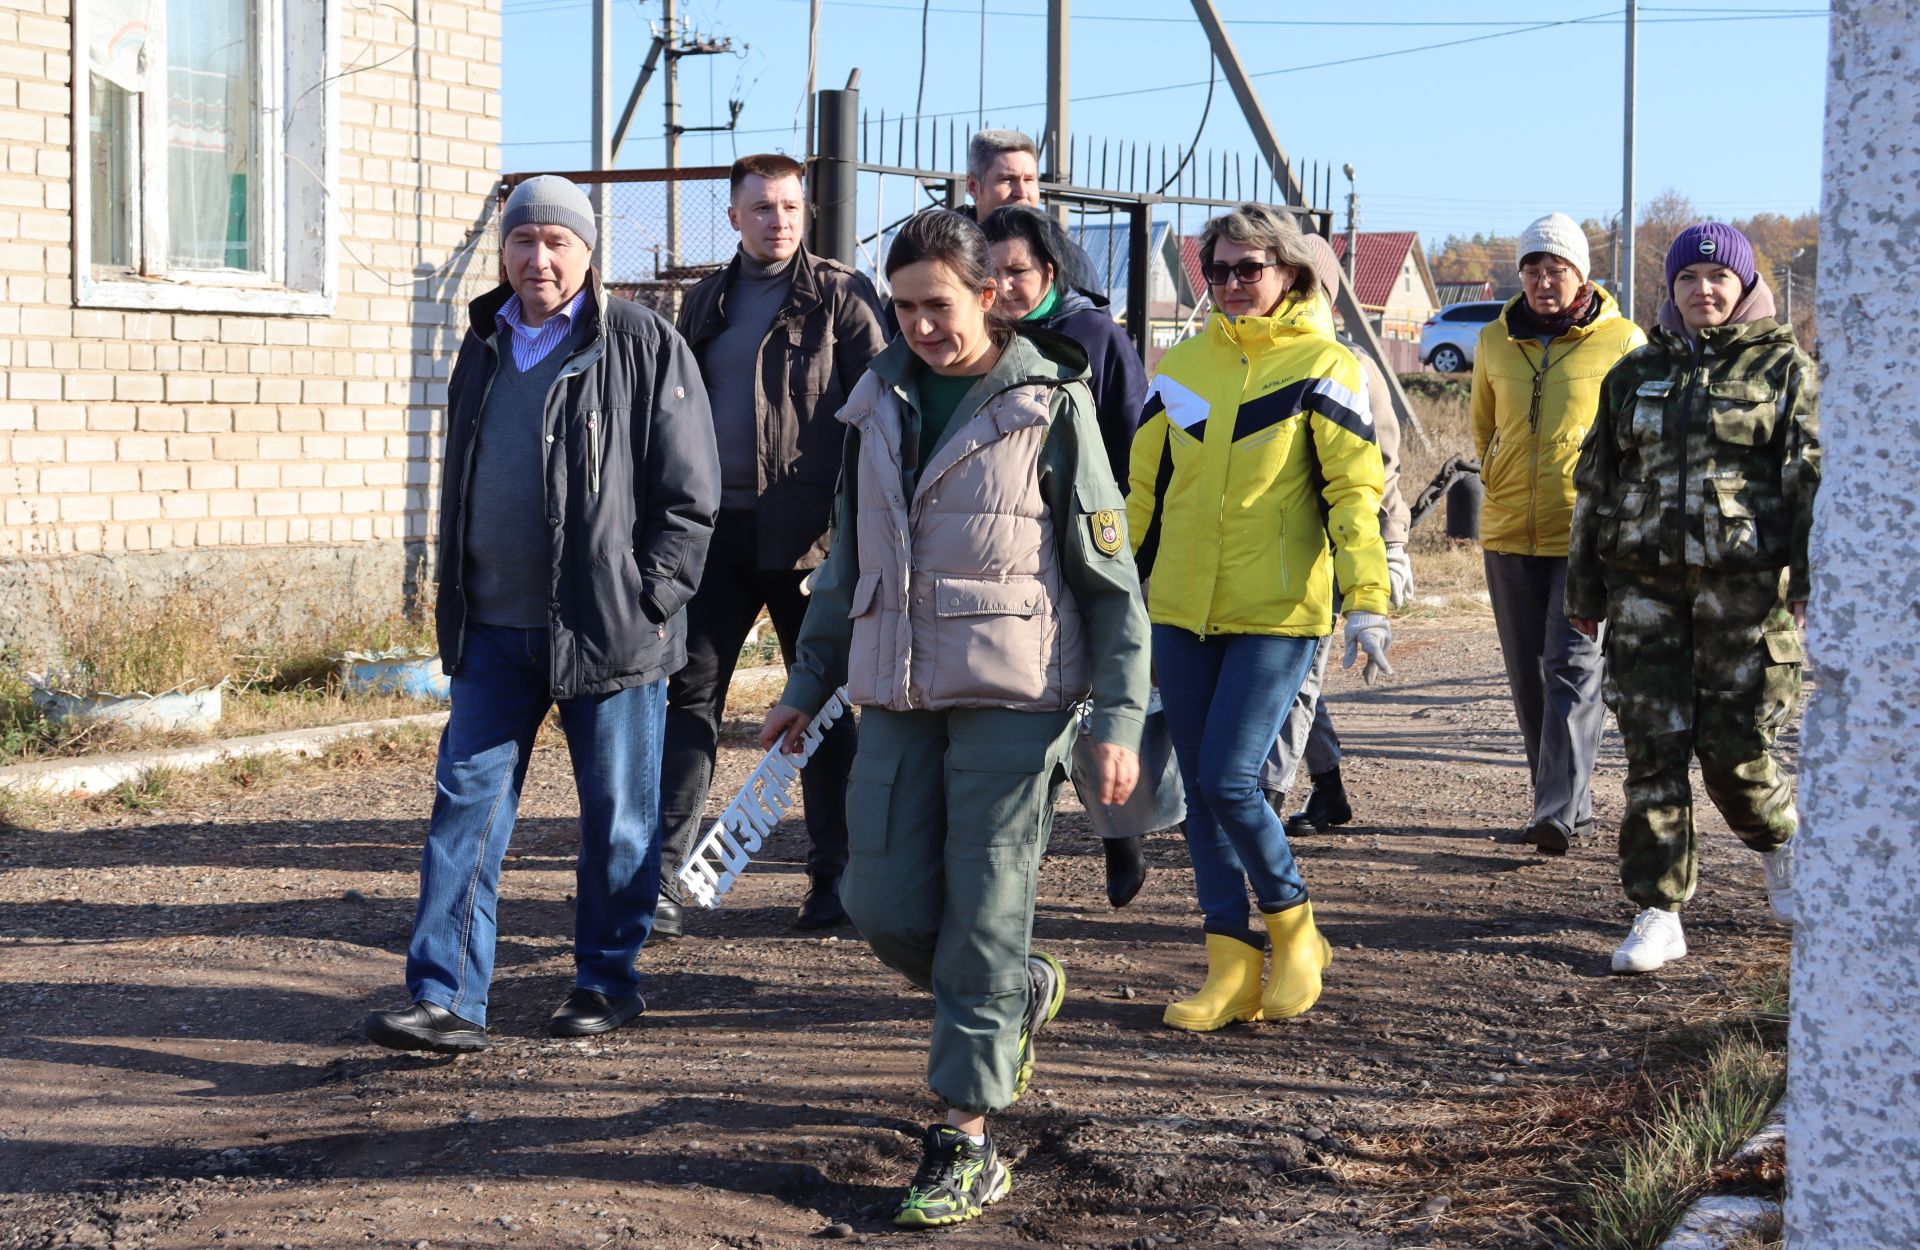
<point>1558,235</point>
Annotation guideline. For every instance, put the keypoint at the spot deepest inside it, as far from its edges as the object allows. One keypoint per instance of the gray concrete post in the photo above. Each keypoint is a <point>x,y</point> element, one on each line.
<point>1853,1094</point>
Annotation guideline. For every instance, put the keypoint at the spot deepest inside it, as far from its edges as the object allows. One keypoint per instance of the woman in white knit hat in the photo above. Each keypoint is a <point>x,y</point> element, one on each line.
<point>1536,387</point>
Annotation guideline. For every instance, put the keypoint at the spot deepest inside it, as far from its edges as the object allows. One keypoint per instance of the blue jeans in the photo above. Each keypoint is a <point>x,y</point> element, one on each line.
<point>500,696</point>
<point>1225,697</point>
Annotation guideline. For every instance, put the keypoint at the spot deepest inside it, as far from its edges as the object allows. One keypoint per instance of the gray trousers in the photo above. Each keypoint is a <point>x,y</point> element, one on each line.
<point>1555,674</point>
<point>1307,733</point>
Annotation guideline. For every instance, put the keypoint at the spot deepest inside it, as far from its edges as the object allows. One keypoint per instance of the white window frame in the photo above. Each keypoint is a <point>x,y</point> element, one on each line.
<point>298,226</point>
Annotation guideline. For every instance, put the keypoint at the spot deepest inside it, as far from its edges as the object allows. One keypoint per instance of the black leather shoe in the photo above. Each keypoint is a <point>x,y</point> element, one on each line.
<point>669,921</point>
<point>586,1012</point>
<point>821,908</point>
<point>425,1026</point>
<point>1126,869</point>
<point>1326,807</point>
<point>1550,837</point>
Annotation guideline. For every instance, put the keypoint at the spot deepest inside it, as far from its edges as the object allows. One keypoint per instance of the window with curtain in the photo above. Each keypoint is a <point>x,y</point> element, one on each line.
<point>211,153</point>
<point>208,133</point>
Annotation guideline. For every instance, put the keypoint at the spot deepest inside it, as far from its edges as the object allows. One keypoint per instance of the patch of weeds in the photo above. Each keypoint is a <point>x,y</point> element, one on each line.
<point>151,789</point>
<point>1705,1113</point>
<point>173,641</point>
<point>23,729</point>
<point>22,811</point>
<point>400,743</point>
<point>247,772</point>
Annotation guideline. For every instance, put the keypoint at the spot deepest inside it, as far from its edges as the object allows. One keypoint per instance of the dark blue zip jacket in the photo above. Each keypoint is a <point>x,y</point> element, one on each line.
<point>632,482</point>
<point>1118,381</point>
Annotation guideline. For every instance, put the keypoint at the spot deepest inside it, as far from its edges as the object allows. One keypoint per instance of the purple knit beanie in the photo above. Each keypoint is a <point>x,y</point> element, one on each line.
<point>1713,241</point>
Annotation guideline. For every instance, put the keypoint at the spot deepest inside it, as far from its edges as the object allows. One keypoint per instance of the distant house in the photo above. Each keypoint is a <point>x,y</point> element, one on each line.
<point>1464,292</point>
<point>1172,293</point>
<point>1392,281</point>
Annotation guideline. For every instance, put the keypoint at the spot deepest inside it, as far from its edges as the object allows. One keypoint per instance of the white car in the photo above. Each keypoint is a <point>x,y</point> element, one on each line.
<point>1448,338</point>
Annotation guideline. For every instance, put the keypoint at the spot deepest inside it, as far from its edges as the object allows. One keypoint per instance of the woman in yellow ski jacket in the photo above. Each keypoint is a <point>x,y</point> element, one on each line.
<point>1537,375</point>
<point>1256,449</point>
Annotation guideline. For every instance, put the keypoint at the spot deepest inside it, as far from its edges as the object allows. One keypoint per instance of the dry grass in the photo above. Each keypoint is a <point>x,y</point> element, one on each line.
<point>187,637</point>
<point>111,644</point>
<point>1446,571</point>
<point>1609,1162</point>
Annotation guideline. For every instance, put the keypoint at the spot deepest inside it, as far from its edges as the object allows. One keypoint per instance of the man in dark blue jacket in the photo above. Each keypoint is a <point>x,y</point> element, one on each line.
<point>578,489</point>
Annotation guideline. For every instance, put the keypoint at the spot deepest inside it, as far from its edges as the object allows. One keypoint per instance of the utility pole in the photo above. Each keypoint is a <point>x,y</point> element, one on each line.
<point>813,69</point>
<point>602,116</point>
<point>1625,293</point>
<point>670,30</point>
<point>1855,1072</point>
<point>1054,141</point>
<point>1353,221</point>
<point>1268,140</point>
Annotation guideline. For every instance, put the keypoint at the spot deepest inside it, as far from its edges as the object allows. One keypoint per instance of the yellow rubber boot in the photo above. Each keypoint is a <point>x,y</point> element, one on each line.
<point>1232,991</point>
<point>1300,955</point>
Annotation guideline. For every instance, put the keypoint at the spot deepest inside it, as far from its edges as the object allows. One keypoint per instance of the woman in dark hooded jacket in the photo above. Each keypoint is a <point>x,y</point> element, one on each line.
<point>1045,281</point>
<point>1038,267</point>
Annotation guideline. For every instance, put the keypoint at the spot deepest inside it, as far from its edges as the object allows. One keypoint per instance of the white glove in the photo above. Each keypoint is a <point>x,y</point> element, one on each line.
<point>1369,632</point>
<point>1399,575</point>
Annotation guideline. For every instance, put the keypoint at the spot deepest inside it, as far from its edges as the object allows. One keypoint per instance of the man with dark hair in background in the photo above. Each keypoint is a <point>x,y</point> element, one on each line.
<point>780,336</point>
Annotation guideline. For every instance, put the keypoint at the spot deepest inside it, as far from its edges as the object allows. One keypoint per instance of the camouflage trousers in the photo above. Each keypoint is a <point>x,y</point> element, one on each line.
<point>1699,663</point>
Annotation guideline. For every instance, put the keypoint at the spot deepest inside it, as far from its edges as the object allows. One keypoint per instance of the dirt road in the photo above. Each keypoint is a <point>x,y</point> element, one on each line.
<point>180,994</point>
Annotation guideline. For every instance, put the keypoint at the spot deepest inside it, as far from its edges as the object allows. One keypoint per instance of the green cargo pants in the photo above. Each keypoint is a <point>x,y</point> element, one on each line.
<point>948,815</point>
<point>1708,664</point>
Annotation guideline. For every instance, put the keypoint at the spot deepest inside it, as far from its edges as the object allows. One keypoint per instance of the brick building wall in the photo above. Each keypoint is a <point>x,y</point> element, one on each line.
<point>146,442</point>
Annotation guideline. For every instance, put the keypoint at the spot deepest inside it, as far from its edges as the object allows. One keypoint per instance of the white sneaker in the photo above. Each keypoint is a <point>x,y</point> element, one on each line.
<point>1779,865</point>
<point>1654,941</point>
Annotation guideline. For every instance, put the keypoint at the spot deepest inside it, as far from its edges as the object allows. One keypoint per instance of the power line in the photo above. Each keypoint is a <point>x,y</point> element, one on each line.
<point>1593,19</point>
<point>1707,15</point>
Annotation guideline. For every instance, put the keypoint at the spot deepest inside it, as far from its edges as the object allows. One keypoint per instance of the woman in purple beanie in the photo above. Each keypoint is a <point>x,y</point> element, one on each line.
<point>1695,498</point>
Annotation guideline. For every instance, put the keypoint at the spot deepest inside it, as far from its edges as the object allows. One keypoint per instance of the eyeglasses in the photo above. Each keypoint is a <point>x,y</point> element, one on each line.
<point>1545,273</point>
<point>1248,271</point>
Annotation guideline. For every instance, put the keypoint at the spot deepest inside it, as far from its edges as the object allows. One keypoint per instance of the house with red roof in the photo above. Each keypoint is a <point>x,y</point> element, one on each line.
<point>1392,281</point>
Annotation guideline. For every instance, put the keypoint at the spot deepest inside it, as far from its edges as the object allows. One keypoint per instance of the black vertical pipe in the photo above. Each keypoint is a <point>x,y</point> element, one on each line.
<point>836,184</point>
<point>1139,235</point>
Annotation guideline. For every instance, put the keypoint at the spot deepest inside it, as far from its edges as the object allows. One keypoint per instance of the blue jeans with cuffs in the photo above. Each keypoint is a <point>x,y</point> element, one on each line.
<point>500,696</point>
<point>1225,697</point>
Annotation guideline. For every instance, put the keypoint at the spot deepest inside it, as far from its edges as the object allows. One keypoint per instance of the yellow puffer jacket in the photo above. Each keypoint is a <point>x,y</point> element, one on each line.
<point>1528,422</point>
<point>1241,424</point>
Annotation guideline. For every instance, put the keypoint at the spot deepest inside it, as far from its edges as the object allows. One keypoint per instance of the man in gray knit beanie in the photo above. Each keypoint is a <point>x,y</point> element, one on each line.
<point>578,486</point>
<point>550,200</point>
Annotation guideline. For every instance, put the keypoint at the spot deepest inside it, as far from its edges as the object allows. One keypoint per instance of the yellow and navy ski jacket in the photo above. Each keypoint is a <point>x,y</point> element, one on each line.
<point>1256,447</point>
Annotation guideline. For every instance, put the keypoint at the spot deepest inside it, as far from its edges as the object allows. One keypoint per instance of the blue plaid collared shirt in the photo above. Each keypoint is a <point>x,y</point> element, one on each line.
<point>533,344</point>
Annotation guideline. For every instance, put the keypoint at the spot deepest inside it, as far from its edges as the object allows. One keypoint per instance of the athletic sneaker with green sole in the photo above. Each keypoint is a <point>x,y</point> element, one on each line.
<point>957,1180</point>
<point>1043,1004</point>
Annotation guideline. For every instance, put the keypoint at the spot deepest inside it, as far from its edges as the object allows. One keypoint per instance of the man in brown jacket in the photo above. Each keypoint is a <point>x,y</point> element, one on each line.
<point>781,337</point>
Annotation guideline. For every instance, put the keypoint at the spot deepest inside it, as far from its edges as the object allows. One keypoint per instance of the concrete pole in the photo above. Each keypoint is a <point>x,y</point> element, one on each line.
<point>1625,293</point>
<point>813,74</point>
<point>1353,224</point>
<point>1055,138</point>
<point>602,122</point>
<point>670,30</point>
<point>1853,1086</point>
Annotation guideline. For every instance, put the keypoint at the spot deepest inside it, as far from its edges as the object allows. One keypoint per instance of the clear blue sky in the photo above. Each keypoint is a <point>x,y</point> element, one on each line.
<point>1485,134</point>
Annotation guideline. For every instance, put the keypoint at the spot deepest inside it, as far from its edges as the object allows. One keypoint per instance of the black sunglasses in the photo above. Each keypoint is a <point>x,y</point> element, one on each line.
<point>1248,271</point>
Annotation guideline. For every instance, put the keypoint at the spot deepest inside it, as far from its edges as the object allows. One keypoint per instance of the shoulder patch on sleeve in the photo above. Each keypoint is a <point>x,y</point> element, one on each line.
<point>1105,525</point>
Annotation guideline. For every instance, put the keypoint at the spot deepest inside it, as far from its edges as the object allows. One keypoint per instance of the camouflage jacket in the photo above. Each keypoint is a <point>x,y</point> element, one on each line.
<point>1703,455</point>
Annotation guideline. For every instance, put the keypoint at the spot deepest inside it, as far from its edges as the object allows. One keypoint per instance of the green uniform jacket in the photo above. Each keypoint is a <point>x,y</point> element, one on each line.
<point>1704,454</point>
<point>1078,487</point>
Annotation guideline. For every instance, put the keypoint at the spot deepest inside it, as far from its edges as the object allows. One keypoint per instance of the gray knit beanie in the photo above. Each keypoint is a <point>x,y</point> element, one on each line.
<point>550,200</point>
<point>1556,234</point>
